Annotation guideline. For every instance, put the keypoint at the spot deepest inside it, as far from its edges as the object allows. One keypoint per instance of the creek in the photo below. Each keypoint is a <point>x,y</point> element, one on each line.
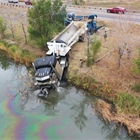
<point>66,114</point>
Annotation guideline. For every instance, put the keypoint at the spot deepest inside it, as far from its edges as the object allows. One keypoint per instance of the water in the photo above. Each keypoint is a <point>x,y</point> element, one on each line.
<point>66,114</point>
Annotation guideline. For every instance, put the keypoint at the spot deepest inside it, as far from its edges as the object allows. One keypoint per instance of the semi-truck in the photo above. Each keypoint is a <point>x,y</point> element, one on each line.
<point>50,70</point>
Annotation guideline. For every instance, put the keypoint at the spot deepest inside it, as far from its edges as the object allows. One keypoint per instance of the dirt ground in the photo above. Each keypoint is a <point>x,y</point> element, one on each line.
<point>105,71</point>
<point>18,32</point>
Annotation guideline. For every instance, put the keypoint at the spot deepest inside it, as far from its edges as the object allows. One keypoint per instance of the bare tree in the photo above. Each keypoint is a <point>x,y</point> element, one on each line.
<point>22,15</point>
<point>8,14</point>
<point>124,36</point>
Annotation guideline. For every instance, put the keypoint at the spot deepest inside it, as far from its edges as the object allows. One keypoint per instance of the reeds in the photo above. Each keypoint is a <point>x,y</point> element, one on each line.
<point>19,55</point>
<point>127,103</point>
<point>109,113</point>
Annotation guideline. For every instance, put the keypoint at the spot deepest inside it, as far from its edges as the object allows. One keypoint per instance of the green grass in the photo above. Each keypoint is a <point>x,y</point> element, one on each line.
<point>136,88</point>
<point>128,103</point>
<point>17,53</point>
<point>5,44</point>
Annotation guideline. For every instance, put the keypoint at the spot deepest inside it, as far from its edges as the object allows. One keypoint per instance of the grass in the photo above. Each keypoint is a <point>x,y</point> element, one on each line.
<point>127,103</point>
<point>136,88</point>
<point>18,54</point>
<point>132,5</point>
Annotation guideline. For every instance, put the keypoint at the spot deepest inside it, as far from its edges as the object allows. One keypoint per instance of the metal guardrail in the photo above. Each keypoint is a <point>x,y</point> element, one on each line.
<point>15,5</point>
<point>96,8</point>
<point>68,6</point>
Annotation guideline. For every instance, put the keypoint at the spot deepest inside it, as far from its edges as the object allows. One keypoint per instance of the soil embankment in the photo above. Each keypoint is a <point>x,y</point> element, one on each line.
<point>105,80</point>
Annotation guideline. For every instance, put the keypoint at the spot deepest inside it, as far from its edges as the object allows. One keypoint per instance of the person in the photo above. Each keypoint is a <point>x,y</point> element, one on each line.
<point>105,36</point>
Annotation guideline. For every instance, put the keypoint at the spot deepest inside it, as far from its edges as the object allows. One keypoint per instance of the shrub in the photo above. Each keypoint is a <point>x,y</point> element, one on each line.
<point>136,88</point>
<point>128,103</point>
<point>6,44</point>
<point>92,53</point>
<point>2,26</point>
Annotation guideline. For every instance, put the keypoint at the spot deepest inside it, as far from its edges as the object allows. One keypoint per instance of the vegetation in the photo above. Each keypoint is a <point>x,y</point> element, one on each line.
<point>137,62</point>
<point>136,87</point>
<point>2,27</point>
<point>92,52</point>
<point>43,19</point>
<point>134,5</point>
<point>78,2</point>
<point>127,103</point>
<point>18,54</point>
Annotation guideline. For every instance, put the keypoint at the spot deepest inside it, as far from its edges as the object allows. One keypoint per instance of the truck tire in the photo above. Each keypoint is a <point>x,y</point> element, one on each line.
<point>67,57</point>
<point>81,38</point>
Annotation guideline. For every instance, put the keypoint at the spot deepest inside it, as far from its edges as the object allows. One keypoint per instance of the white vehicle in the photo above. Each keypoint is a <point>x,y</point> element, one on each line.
<point>50,70</point>
<point>13,1</point>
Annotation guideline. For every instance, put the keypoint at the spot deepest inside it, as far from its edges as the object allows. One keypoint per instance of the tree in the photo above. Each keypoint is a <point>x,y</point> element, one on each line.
<point>95,46</point>
<point>45,20</point>
<point>2,26</point>
<point>124,38</point>
<point>20,16</point>
<point>8,14</point>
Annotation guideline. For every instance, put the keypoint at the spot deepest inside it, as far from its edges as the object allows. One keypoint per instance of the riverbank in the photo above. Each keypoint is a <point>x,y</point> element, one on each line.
<point>24,54</point>
<point>104,80</point>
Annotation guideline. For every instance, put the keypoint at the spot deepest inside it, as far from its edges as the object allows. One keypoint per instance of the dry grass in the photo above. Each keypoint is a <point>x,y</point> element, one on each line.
<point>109,114</point>
<point>18,32</point>
<point>134,5</point>
<point>105,71</point>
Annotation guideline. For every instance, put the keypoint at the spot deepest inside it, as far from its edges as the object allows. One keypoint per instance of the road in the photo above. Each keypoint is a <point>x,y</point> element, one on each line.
<point>102,14</point>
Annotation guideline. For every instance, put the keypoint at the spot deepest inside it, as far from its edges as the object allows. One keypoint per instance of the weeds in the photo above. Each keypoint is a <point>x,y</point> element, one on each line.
<point>18,54</point>
<point>136,88</point>
<point>126,102</point>
<point>5,44</point>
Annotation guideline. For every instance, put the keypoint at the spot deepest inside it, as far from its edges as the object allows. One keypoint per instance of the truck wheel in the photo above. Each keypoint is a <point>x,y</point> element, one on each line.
<point>67,56</point>
<point>81,38</point>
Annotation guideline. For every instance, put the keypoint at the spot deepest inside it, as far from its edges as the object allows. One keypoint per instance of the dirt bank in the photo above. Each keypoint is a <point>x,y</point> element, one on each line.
<point>105,80</point>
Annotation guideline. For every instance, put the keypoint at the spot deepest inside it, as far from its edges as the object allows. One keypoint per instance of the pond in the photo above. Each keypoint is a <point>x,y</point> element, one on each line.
<point>66,114</point>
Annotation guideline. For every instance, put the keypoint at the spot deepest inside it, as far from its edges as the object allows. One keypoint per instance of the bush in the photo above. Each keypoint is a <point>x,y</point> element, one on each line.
<point>78,2</point>
<point>92,53</point>
<point>2,26</point>
<point>128,103</point>
<point>137,62</point>
<point>6,44</point>
<point>136,88</point>
<point>95,48</point>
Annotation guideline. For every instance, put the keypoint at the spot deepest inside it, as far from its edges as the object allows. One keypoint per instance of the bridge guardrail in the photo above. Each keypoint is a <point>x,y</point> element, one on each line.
<point>68,5</point>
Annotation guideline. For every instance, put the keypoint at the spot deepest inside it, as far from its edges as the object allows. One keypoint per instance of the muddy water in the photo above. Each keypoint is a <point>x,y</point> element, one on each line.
<point>66,114</point>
